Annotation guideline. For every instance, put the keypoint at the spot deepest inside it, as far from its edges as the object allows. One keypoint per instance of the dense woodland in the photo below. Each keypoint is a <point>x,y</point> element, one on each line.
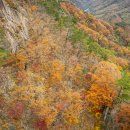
<point>62,68</point>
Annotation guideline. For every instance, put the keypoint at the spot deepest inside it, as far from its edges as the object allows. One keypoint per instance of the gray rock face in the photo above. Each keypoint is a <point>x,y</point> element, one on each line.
<point>110,10</point>
<point>16,26</point>
<point>82,4</point>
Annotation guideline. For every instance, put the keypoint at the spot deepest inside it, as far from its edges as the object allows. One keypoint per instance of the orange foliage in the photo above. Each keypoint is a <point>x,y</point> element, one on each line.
<point>102,91</point>
<point>45,88</point>
<point>50,89</point>
<point>100,96</point>
<point>70,8</point>
<point>57,70</point>
<point>119,61</point>
<point>93,34</point>
<point>99,30</point>
<point>107,72</point>
<point>34,8</point>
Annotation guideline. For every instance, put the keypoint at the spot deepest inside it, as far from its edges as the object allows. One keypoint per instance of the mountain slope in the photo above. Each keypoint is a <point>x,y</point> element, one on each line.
<point>71,74</point>
<point>115,12</point>
<point>98,30</point>
<point>110,10</point>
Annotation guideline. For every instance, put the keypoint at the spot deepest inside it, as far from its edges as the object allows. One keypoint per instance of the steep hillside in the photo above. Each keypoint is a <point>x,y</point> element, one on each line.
<point>70,73</point>
<point>100,31</point>
<point>115,10</point>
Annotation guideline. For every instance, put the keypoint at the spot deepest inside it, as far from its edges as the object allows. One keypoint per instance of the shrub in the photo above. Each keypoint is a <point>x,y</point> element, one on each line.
<point>77,35</point>
<point>124,84</point>
<point>3,55</point>
<point>122,24</point>
<point>52,7</point>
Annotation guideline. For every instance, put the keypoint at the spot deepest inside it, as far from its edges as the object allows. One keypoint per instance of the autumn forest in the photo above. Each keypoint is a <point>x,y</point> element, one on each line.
<point>62,68</point>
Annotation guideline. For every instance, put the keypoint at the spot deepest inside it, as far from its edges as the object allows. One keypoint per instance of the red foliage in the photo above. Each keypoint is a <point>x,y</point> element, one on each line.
<point>98,110</point>
<point>17,111</point>
<point>88,76</point>
<point>40,125</point>
<point>36,67</point>
<point>60,106</point>
<point>83,95</point>
<point>1,103</point>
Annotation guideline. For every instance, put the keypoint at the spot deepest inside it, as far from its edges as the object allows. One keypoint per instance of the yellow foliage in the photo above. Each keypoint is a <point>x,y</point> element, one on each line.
<point>78,68</point>
<point>72,112</point>
<point>107,72</point>
<point>97,128</point>
<point>34,8</point>
<point>51,90</point>
<point>119,61</point>
<point>56,71</point>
